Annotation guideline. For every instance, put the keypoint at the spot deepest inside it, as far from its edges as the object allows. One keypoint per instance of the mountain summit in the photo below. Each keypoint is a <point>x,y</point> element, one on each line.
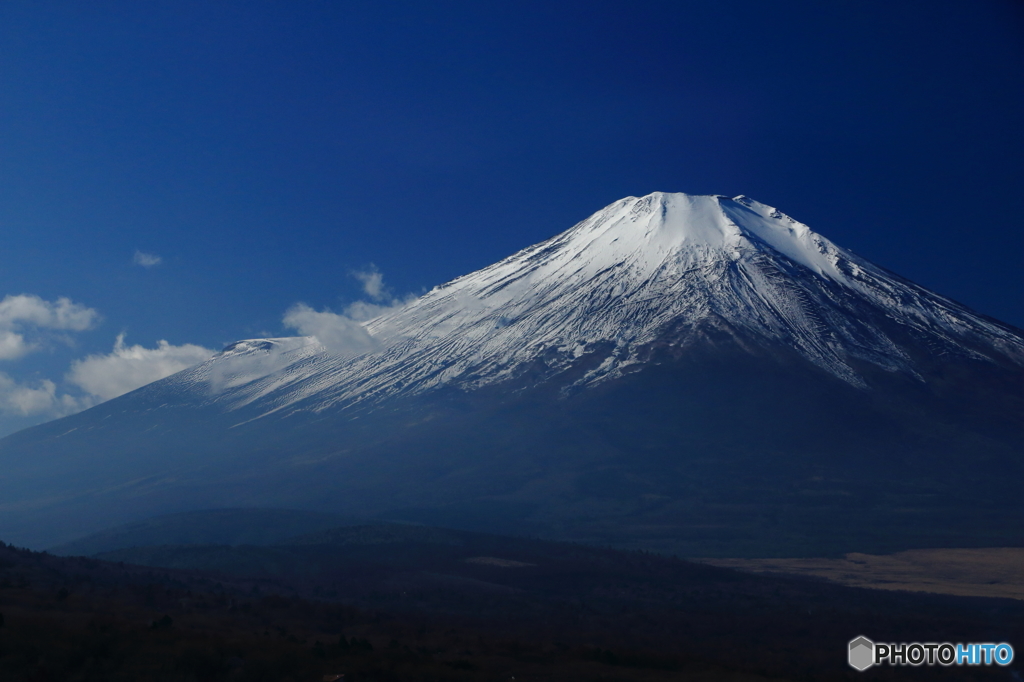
<point>671,364</point>
<point>665,270</point>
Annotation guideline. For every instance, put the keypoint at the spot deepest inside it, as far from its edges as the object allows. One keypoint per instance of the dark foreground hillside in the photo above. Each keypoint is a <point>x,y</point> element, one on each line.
<point>405,603</point>
<point>81,619</point>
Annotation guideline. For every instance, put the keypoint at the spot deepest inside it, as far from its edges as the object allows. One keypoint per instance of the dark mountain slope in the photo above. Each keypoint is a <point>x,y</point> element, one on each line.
<point>207,527</point>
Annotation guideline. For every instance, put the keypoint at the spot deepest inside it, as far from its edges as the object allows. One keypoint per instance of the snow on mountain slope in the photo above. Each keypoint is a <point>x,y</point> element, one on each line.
<point>660,268</point>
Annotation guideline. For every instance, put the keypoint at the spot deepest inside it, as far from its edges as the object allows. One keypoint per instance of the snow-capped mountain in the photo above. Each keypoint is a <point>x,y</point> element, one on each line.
<point>660,268</point>
<point>689,373</point>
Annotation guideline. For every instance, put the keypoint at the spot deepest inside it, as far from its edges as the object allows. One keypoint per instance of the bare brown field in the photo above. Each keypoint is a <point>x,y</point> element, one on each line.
<point>988,572</point>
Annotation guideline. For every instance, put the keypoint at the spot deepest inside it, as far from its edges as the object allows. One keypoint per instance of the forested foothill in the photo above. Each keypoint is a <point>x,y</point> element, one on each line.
<point>391,603</point>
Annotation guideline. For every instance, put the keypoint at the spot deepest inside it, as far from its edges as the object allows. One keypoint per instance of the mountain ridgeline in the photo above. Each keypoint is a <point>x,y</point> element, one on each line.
<point>689,374</point>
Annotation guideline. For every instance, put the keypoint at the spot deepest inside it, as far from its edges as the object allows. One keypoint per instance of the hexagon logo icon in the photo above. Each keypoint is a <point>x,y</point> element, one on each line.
<point>862,653</point>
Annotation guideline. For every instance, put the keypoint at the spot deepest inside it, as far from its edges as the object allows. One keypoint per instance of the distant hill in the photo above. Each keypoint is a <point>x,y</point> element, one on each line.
<point>207,527</point>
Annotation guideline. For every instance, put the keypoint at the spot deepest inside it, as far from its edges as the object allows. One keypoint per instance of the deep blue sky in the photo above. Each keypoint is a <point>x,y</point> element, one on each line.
<point>265,150</point>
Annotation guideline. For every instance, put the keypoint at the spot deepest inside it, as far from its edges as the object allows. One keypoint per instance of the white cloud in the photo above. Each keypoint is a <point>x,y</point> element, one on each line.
<point>236,370</point>
<point>361,311</point>
<point>146,260</point>
<point>339,334</point>
<point>373,282</point>
<point>26,314</point>
<point>25,400</point>
<point>30,310</point>
<point>13,345</point>
<point>25,322</point>
<point>129,367</point>
<point>344,333</point>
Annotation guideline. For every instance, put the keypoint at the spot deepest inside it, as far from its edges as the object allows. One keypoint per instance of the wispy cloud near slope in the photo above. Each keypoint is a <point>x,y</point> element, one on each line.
<point>129,367</point>
<point>344,333</point>
<point>24,400</point>
<point>339,333</point>
<point>30,323</point>
<point>373,282</point>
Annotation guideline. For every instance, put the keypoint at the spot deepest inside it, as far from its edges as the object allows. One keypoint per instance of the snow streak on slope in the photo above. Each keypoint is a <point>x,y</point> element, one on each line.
<point>664,268</point>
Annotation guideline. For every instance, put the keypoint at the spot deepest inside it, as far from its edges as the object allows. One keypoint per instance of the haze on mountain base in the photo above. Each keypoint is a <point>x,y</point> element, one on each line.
<point>694,374</point>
